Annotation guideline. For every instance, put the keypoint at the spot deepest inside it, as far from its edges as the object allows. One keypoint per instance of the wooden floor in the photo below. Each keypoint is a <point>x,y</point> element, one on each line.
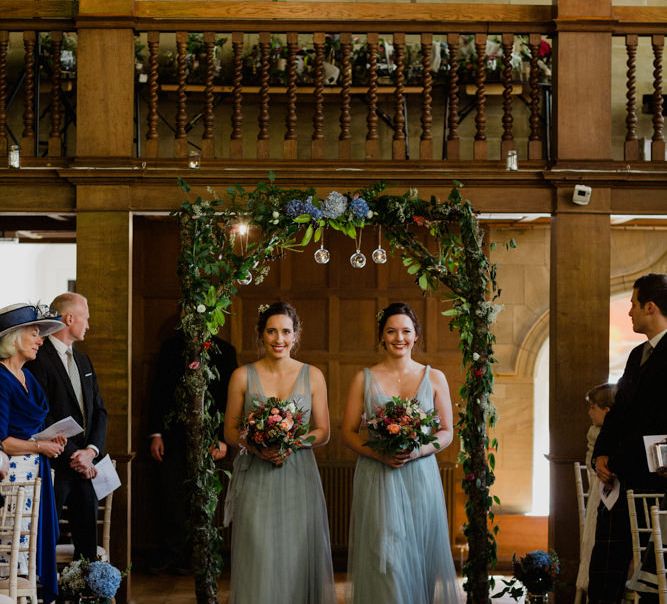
<point>165,589</point>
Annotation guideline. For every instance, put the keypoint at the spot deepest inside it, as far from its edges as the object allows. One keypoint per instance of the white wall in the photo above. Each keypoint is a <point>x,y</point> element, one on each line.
<point>35,272</point>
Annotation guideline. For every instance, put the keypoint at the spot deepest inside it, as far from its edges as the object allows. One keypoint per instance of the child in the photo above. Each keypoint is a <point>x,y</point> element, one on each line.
<point>599,400</point>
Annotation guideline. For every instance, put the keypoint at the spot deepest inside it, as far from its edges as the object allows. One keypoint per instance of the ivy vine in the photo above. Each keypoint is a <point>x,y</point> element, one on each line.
<point>217,257</point>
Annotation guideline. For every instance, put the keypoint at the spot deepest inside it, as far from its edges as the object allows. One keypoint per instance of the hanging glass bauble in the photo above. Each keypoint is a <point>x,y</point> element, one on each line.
<point>247,280</point>
<point>322,255</point>
<point>358,260</point>
<point>379,256</point>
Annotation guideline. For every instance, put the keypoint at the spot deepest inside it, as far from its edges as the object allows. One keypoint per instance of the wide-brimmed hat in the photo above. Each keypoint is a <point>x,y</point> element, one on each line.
<point>24,315</point>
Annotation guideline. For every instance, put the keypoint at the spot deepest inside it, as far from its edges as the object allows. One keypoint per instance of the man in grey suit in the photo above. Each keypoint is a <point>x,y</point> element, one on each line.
<point>70,383</point>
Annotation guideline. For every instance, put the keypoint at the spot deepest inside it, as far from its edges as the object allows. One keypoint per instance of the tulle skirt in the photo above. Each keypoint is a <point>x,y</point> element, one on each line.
<point>399,551</point>
<point>280,533</point>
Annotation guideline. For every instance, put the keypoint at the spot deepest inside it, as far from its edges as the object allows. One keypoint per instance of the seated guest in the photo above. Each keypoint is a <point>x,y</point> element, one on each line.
<point>23,411</point>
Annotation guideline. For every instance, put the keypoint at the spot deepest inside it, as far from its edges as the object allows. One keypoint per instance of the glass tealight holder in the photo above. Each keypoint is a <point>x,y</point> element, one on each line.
<point>194,160</point>
<point>14,157</point>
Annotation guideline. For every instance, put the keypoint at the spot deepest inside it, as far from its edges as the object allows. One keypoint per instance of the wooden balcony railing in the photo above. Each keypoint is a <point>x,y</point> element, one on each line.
<point>325,81</point>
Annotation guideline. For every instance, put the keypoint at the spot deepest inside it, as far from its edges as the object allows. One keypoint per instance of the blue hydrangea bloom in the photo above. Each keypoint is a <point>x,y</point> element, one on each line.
<point>359,207</point>
<point>294,208</point>
<point>310,208</point>
<point>334,205</point>
<point>103,579</point>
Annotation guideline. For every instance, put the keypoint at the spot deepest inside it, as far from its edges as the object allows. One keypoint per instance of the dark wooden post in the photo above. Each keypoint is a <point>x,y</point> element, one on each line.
<point>580,272</point>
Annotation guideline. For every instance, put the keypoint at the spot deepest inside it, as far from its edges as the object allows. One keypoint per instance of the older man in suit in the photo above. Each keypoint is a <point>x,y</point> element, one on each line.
<point>70,383</point>
<point>640,409</point>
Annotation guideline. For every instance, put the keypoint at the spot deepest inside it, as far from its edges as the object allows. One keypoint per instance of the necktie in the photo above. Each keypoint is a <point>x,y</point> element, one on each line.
<point>646,352</point>
<point>75,378</point>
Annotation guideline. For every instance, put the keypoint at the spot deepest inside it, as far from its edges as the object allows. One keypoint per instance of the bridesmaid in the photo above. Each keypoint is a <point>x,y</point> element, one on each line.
<point>280,537</point>
<point>399,550</point>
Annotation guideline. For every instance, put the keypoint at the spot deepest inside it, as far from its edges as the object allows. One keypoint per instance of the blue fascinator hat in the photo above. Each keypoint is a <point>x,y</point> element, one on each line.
<point>17,316</point>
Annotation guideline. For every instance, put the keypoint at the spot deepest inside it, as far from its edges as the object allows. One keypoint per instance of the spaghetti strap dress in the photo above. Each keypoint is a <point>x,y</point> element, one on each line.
<point>280,532</point>
<point>399,541</point>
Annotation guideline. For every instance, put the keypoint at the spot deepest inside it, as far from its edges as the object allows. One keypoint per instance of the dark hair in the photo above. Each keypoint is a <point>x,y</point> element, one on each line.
<point>277,308</point>
<point>397,308</point>
<point>602,395</point>
<point>652,288</point>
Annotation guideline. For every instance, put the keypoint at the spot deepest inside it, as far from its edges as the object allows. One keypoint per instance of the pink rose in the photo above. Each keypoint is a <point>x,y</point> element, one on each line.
<point>194,365</point>
<point>273,420</point>
<point>286,425</point>
<point>275,411</point>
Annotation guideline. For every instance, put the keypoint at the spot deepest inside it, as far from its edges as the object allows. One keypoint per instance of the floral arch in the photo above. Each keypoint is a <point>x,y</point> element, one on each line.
<point>217,257</point>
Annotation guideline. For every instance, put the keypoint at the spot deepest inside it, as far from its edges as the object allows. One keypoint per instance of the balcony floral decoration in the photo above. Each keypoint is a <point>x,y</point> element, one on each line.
<point>520,61</point>
<point>67,54</point>
<point>195,61</point>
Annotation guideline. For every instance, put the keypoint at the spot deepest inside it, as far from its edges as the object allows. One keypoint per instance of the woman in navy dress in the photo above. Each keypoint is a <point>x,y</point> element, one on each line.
<point>23,409</point>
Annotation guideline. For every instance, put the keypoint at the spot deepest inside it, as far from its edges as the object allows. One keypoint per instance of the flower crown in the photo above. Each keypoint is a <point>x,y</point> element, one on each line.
<point>262,308</point>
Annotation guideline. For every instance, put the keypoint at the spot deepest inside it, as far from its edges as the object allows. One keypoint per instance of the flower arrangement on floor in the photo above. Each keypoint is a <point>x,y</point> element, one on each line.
<point>92,581</point>
<point>535,573</point>
<point>275,424</point>
<point>401,426</point>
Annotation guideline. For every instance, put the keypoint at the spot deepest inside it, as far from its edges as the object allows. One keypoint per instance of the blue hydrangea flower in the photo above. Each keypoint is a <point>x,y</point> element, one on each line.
<point>310,208</point>
<point>103,579</point>
<point>294,208</point>
<point>334,205</point>
<point>359,207</point>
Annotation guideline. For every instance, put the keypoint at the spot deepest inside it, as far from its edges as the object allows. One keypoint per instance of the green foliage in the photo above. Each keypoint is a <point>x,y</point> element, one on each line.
<point>218,255</point>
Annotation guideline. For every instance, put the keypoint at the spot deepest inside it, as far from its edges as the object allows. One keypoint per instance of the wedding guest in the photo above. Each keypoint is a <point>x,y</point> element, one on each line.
<point>599,399</point>
<point>399,549</point>
<point>23,412</point>
<point>280,534</point>
<point>70,382</point>
<point>619,452</point>
<point>168,445</point>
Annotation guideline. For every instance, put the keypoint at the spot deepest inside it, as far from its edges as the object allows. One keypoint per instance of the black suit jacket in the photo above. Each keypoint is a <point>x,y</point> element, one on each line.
<point>168,373</point>
<point>52,375</point>
<point>640,409</point>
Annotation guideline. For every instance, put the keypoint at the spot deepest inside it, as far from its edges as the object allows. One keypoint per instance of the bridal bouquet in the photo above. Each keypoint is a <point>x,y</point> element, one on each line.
<point>275,423</point>
<point>402,426</point>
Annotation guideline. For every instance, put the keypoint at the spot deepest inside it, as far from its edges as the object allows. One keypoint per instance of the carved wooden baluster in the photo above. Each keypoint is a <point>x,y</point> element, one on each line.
<point>152,138</point>
<point>290,142</point>
<point>236,139</point>
<point>480,146</point>
<point>372,141</point>
<point>453,142</point>
<point>534,142</point>
<point>181,146</point>
<point>55,143</point>
<point>28,137</point>
<point>345,136</point>
<point>426,139</point>
<point>317,144</point>
<point>507,143</point>
<point>398,146</point>
<point>208,143</point>
<point>658,140</point>
<point>631,142</point>
<point>4,43</point>
<point>265,82</point>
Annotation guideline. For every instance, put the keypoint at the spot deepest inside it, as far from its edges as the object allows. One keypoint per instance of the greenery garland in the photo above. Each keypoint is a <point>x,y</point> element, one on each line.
<point>217,258</point>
